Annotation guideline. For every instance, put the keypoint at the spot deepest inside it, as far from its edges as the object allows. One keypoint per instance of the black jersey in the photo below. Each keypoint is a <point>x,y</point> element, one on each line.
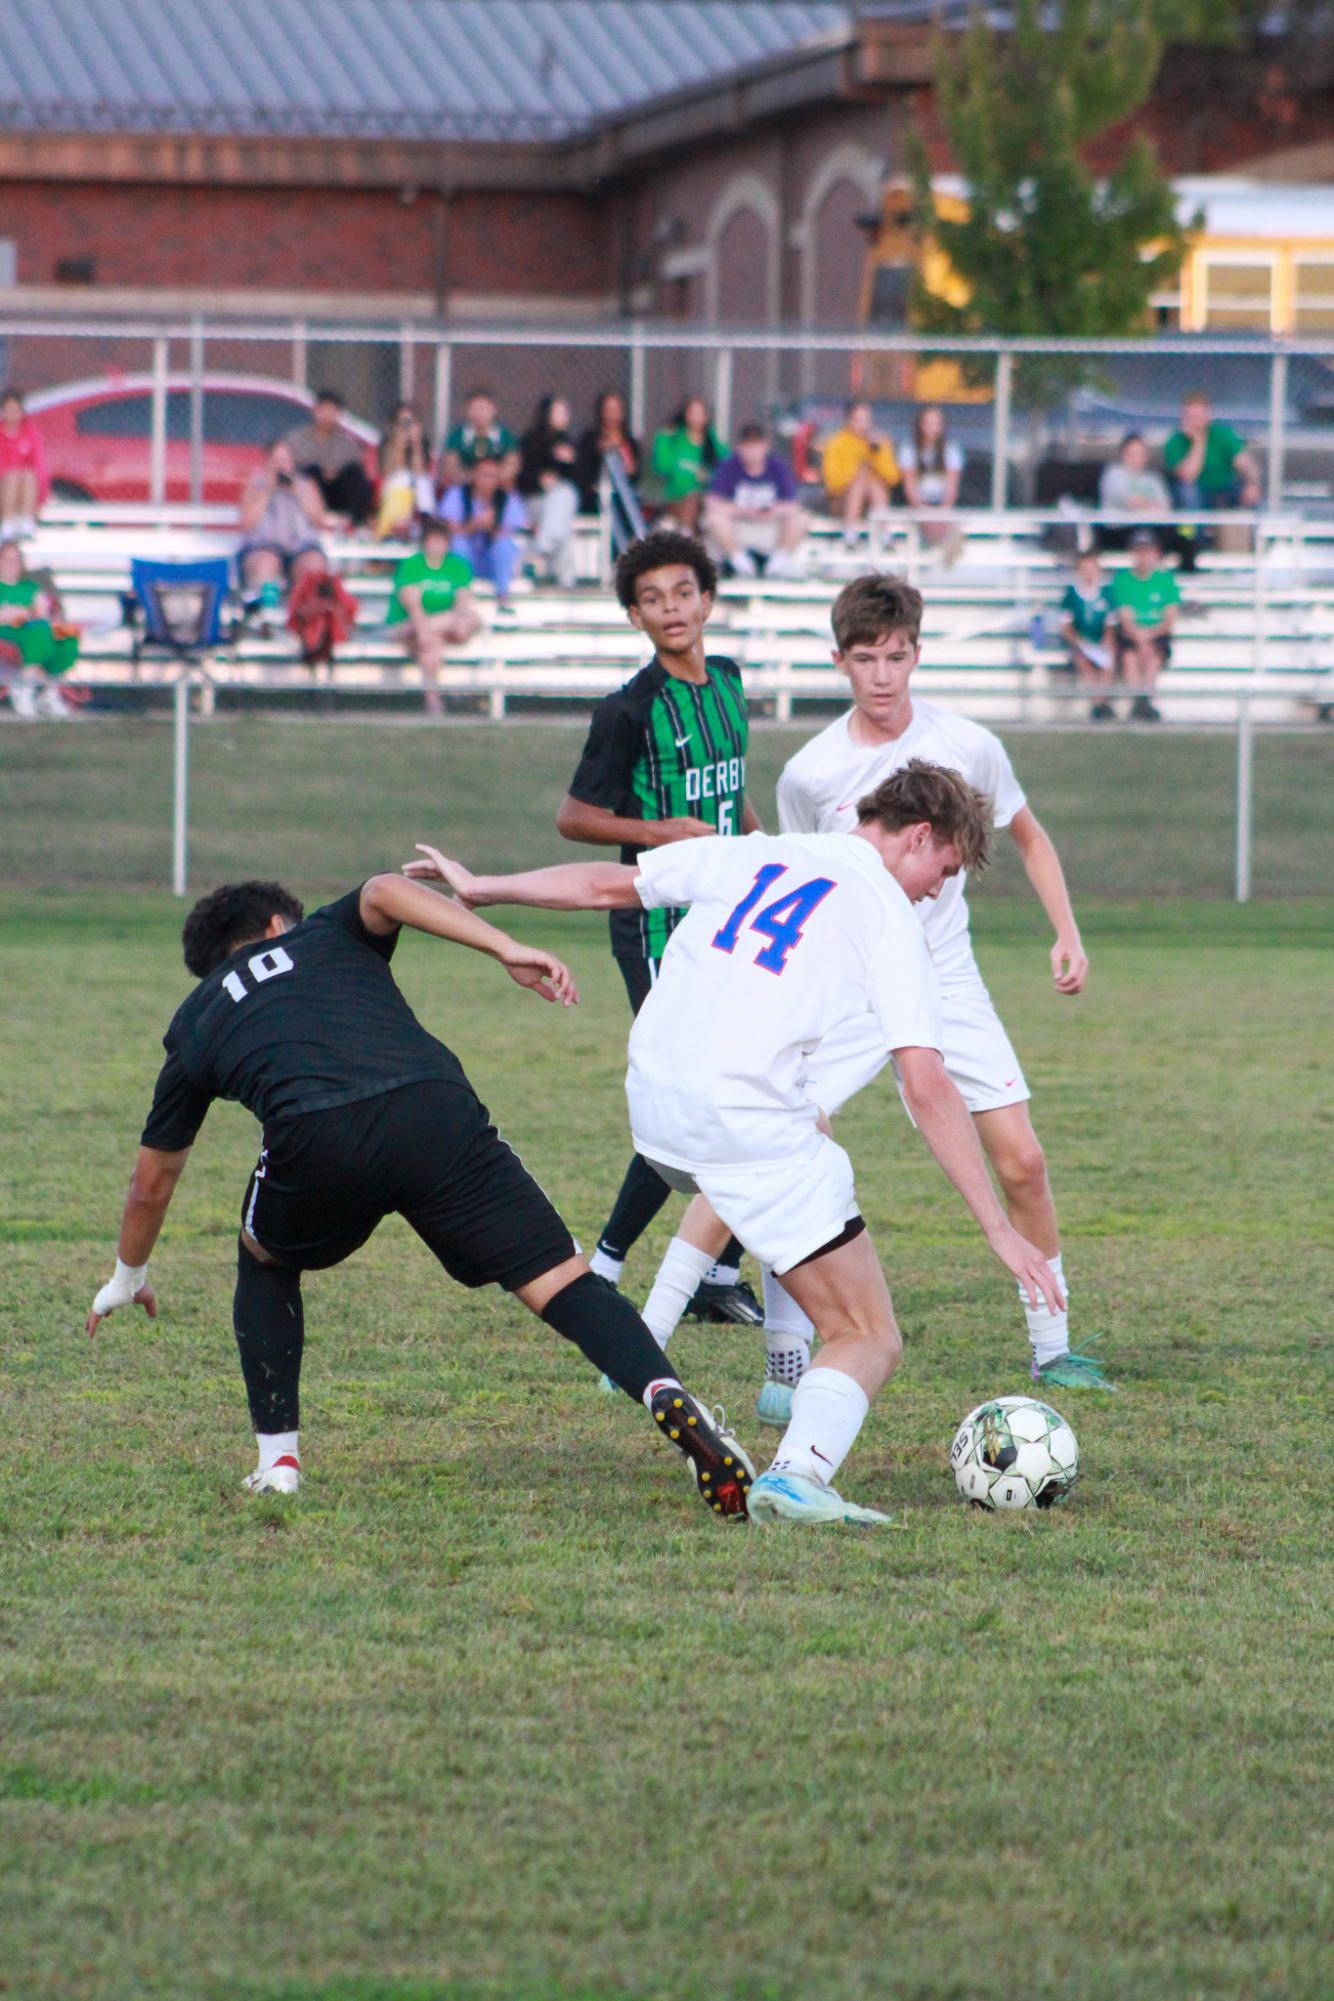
<point>294,1024</point>
<point>658,749</point>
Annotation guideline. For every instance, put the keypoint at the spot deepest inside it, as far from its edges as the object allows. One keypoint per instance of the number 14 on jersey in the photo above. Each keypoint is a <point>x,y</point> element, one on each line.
<point>780,921</point>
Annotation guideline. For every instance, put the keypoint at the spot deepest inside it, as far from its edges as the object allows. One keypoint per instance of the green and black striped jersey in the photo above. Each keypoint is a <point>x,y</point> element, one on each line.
<point>660,749</point>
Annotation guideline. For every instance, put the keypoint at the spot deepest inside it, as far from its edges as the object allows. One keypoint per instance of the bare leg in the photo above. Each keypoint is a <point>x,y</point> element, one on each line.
<point>1020,1165</point>
<point>845,1294</point>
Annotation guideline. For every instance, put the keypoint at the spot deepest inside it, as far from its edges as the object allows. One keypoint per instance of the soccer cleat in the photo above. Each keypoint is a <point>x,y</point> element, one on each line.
<point>736,1304</point>
<point>791,1497</point>
<point>608,1387</point>
<point>719,1466</point>
<point>283,1477</point>
<point>1072,1371</point>
<point>773,1405</point>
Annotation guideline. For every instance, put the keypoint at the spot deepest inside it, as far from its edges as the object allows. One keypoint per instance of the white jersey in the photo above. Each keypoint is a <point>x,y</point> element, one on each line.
<point>819,789</point>
<point>788,938</point>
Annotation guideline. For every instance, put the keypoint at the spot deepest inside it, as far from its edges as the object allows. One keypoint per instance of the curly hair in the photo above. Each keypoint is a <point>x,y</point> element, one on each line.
<point>658,551</point>
<point>233,915</point>
<point>920,791</point>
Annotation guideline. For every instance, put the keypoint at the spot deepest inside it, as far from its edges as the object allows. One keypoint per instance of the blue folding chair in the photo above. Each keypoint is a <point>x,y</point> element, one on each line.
<point>178,608</point>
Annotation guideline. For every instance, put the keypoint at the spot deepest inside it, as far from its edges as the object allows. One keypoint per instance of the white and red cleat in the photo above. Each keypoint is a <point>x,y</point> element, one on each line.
<point>283,1477</point>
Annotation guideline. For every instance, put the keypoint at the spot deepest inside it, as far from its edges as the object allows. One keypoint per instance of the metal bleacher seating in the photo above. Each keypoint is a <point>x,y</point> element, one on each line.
<point>1259,623</point>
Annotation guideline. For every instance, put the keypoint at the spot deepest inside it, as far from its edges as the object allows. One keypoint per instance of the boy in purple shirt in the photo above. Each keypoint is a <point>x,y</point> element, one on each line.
<point>752,509</point>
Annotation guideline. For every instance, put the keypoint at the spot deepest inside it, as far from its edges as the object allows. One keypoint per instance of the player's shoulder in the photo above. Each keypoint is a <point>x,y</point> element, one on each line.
<point>635,697</point>
<point>962,734</point>
<point>826,747</point>
<point>723,666</point>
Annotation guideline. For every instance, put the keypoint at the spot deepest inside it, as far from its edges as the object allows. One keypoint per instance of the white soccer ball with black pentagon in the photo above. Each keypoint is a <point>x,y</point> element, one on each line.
<point>1014,1452</point>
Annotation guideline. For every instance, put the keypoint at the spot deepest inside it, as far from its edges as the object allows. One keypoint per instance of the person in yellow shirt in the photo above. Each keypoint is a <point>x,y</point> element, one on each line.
<point>859,468</point>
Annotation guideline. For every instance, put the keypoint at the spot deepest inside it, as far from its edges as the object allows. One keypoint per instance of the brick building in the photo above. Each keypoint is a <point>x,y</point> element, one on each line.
<point>451,162</point>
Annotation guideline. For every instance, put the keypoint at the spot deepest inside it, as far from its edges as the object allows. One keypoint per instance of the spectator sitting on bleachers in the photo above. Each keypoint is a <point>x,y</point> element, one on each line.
<point>859,468</point>
<point>1147,603</point>
<point>405,475</point>
<point>1129,485</point>
<point>932,469</point>
<point>1088,627</point>
<point>486,517</point>
<point>609,432</point>
<point>546,484</point>
<point>431,599</point>
<point>752,509</point>
<point>481,435</point>
<point>282,515</point>
<point>1208,464</point>
<point>685,457</point>
<point>35,649</point>
<point>324,452</point>
<point>24,484</point>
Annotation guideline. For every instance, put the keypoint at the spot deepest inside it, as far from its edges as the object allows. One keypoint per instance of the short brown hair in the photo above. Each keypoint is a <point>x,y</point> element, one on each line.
<point>871,606</point>
<point>920,791</point>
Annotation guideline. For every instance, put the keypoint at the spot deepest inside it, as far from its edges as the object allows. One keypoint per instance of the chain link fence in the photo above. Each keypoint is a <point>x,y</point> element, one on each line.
<point>181,411</point>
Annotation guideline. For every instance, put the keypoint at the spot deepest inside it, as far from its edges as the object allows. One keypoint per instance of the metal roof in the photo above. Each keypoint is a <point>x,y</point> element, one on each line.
<point>410,69</point>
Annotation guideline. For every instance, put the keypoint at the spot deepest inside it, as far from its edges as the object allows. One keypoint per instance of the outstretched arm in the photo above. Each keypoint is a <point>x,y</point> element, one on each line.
<point>1042,864</point>
<point>387,901</point>
<point>152,1186</point>
<point>941,1116</point>
<point>569,886</point>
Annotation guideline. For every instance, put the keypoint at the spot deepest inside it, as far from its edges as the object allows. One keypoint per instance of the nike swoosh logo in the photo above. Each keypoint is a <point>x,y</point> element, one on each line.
<point>682,742</point>
<point>1010,1080</point>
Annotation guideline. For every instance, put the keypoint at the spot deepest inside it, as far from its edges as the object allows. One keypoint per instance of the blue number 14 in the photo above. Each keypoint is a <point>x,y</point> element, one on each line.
<point>780,921</point>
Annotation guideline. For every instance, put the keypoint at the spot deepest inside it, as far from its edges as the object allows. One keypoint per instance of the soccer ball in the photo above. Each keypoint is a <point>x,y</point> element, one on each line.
<point>1014,1452</point>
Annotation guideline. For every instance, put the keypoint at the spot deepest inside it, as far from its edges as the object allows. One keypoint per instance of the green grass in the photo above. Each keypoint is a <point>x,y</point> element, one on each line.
<point>495,1712</point>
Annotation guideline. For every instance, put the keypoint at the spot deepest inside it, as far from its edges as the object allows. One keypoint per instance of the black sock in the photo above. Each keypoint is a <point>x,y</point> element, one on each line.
<point>270,1334</point>
<point>610,1332</point>
<point>643,1193</point>
<point>731,1255</point>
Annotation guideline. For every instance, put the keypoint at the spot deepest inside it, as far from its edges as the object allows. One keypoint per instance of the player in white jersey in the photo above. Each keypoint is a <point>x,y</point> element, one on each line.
<point>792,943</point>
<point>877,626</point>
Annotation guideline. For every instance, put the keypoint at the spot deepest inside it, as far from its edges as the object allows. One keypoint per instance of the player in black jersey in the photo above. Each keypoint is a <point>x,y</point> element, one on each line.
<point>364,1115</point>
<point>665,761</point>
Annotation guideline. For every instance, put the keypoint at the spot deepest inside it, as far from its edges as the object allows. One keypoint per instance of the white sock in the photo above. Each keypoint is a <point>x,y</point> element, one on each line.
<point>276,1445</point>
<point>787,1333</point>
<point>743,563</point>
<point>1049,1332</point>
<point>675,1286</point>
<point>828,1410</point>
<point>606,1267</point>
<point>721,1274</point>
<point>658,1383</point>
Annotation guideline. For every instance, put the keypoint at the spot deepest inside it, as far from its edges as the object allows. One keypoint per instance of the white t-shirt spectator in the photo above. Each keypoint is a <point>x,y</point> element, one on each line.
<point>931,483</point>
<point>1124,491</point>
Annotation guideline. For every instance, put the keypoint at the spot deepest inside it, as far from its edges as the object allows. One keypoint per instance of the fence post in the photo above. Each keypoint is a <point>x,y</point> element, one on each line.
<point>407,363</point>
<point>1245,749</point>
<point>722,393</point>
<point>1278,408</point>
<point>444,363</point>
<point>157,440</point>
<point>1000,432</point>
<point>638,417</point>
<point>180,788</point>
<point>196,410</point>
<point>299,368</point>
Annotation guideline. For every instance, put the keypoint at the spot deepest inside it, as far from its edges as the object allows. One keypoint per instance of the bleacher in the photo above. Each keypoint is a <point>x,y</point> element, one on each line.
<point>1257,624</point>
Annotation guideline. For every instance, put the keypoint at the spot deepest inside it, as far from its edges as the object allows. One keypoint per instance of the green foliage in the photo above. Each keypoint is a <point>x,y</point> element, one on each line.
<point>1050,246</point>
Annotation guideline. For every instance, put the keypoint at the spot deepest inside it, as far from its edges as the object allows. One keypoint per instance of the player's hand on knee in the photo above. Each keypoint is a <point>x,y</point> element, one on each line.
<point>128,1286</point>
<point>435,867</point>
<point>540,971</point>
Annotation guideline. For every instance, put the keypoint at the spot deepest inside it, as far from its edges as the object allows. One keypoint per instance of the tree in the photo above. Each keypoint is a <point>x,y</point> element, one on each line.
<point>1049,246</point>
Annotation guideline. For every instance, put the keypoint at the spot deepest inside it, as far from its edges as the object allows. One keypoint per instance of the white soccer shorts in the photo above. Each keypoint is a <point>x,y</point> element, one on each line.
<point>979,1056</point>
<point>781,1210</point>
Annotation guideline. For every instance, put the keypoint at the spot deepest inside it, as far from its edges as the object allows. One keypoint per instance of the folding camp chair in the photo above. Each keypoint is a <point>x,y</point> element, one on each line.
<point>179,609</point>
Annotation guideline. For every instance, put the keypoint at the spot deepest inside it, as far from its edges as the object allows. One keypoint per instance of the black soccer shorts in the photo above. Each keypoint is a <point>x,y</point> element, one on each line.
<point>427,1152</point>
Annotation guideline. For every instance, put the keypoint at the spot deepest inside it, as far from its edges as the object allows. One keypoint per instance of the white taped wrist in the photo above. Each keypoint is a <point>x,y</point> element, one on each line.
<point>130,1276</point>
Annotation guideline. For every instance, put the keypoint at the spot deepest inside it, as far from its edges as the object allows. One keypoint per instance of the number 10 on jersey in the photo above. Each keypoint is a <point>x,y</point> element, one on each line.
<point>780,921</point>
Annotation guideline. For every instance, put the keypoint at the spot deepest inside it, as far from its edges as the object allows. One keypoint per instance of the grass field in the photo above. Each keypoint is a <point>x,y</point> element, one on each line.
<point>495,1712</point>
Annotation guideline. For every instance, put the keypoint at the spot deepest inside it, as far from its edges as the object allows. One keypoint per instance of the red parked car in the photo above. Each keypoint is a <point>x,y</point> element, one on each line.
<point>97,434</point>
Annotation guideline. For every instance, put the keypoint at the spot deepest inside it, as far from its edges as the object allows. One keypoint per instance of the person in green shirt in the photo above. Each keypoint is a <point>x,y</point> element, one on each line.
<point>1208,465</point>
<point>30,641</point>
<point>1088,627</point>
<point>480,436</point>
<point>685,457</point>
<point>1147,603</point>
<point>432,600</point>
